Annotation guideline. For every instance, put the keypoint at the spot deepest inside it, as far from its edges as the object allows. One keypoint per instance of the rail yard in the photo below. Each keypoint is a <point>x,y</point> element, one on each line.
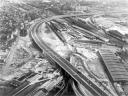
<point>50,48</point>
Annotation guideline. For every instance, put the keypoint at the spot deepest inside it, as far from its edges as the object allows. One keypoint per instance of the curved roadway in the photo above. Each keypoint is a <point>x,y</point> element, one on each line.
<point>82,79</point>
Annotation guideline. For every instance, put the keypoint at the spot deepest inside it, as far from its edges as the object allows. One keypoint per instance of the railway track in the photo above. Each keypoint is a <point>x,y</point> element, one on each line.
<point>82,79</point>
<point>115,38</point>
<point>47,87</point>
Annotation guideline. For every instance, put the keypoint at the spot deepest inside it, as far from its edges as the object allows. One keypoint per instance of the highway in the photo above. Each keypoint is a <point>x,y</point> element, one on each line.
<point>63,63</point>
<point>77,90</point>
<point>91,74</point>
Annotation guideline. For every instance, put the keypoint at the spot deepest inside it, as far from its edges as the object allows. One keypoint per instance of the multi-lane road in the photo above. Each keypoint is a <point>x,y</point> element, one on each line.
<point>62,62</point>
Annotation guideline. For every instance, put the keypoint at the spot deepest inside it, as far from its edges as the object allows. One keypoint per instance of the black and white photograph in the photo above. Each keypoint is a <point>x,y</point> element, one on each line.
<point>63,47</point>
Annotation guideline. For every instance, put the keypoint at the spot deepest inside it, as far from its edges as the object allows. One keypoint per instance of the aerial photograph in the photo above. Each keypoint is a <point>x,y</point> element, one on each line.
<point>63,47</point>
